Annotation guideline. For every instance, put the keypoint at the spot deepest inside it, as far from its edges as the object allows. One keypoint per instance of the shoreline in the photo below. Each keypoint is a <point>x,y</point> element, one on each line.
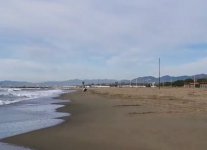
<point>125,119</point>
<point>55,102</point>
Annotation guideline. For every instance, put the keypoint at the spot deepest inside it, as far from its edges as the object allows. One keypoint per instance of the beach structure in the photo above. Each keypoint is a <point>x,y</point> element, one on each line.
<point>203,85</point>
<point>191,85</point>
<point>153,85</point>
<point>100,86</point>
<point>195,84</point>
<point>68,87</point>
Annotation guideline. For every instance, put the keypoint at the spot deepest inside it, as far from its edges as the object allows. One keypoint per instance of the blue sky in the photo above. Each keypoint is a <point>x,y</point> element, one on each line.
<point>43,40</point>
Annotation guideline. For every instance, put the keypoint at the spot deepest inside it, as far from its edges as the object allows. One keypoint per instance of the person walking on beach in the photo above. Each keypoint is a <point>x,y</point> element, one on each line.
<point>84,88</point>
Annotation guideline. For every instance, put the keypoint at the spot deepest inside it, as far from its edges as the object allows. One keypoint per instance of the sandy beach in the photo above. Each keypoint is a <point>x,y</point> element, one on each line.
<point>126,119</point>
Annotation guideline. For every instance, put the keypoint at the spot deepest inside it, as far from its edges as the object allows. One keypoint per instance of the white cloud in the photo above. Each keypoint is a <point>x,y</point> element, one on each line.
<point>192,68</point>
<point>118,32</point>
<point>15,69</point>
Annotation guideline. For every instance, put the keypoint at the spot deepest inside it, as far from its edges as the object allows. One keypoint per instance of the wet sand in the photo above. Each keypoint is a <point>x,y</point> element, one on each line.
<point>127,119</point>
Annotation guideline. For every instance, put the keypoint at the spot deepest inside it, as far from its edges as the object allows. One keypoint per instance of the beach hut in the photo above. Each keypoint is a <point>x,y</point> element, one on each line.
<point>203,85</point>
<point>192,85</point>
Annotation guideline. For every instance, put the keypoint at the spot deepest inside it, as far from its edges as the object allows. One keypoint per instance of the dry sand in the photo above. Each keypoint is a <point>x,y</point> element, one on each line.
<point>127,119</point>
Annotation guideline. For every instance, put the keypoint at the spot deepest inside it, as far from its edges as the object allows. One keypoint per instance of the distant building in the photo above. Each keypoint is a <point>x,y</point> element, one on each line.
<point>196,84</point>
<point>203,85</point>
<point>100,86</point>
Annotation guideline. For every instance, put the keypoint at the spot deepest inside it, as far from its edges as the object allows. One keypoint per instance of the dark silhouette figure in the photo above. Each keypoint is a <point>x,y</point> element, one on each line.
<point>84,88</point>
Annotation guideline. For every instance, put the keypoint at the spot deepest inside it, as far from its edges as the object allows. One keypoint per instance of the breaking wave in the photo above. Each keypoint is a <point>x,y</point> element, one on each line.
<point>13,95</point>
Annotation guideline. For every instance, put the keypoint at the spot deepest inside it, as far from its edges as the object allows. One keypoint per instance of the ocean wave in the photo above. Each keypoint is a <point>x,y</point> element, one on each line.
<point>8,96</point>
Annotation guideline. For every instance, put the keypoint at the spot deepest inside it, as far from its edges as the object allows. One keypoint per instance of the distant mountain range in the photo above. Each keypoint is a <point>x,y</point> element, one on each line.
<point>167,78</point>
<point>146,79</point>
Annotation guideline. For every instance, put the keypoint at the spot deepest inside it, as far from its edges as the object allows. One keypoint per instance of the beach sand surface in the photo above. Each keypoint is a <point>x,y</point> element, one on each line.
<point>127,119</point>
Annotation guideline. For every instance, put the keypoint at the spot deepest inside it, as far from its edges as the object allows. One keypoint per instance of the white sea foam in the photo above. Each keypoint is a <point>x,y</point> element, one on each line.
<point>29,115</point>
<point>9,96</point>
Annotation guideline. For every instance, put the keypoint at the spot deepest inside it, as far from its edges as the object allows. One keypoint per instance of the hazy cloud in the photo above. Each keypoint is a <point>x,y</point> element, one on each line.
<point>101,39</point>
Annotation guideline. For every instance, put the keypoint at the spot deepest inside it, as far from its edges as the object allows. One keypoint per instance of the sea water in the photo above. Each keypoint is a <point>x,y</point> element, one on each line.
<point>23,111</point>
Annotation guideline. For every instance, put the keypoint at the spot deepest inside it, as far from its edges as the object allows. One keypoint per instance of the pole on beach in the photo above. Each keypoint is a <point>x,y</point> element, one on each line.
<point>194,81</point>
<point>159,73</point>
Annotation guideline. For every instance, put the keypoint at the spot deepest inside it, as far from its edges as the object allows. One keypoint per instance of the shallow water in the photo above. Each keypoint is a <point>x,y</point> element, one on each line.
<point>28,116</point>
<point>4,146</point>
